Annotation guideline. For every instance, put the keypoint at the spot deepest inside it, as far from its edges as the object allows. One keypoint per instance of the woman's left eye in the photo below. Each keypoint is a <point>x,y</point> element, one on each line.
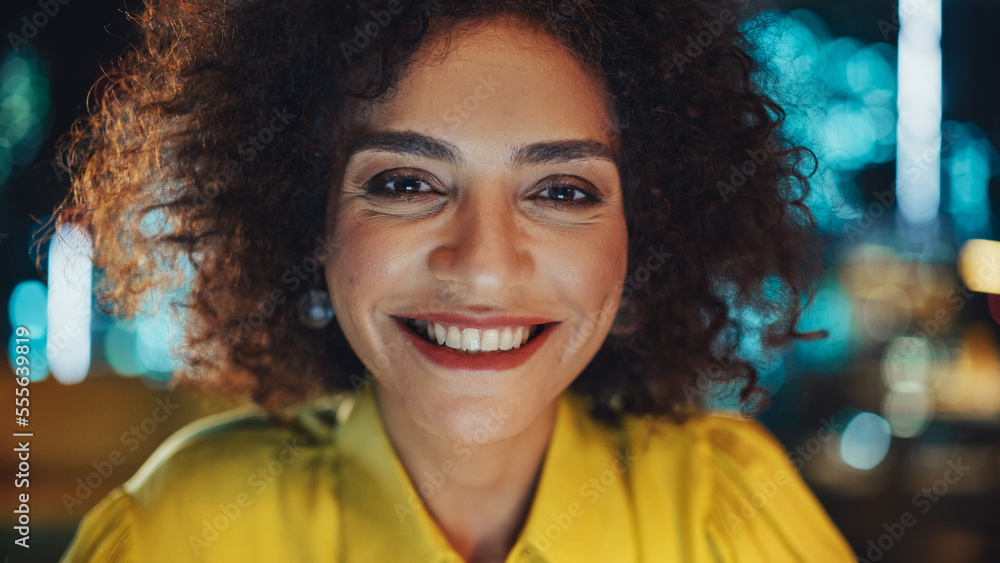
<point>567,195</point>
<point>407,185</point>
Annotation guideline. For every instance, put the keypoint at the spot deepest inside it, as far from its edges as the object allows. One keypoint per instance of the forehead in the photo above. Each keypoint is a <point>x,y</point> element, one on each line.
<point>498,81</point>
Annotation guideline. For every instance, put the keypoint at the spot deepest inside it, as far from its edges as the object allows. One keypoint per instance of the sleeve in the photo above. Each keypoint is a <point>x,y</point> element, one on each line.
<point>761,510</point>
<point>105,533</point>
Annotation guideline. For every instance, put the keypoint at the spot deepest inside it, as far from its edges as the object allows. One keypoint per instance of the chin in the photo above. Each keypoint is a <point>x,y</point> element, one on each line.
<point>477,420</point>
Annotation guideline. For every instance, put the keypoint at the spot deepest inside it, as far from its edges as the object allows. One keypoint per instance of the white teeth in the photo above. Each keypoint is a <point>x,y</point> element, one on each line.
<point>472,340</point>
<point>453,339</point>
<point>506,339</point>
<point>491,340</point>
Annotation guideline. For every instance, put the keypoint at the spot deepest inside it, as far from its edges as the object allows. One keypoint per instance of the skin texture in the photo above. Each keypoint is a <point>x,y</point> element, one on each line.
<point>484,238</point>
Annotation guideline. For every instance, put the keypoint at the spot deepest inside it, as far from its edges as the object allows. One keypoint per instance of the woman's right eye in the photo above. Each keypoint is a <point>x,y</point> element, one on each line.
<point>397,186</point>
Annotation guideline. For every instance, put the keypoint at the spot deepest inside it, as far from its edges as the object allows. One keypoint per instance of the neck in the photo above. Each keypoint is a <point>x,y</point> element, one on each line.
<point>479,494</point>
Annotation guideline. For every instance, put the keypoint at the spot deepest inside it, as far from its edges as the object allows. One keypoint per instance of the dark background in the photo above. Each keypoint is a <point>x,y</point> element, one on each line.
<point>77,427</point>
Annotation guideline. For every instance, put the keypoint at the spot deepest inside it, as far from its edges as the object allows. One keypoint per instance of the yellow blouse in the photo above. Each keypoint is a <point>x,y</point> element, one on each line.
<point>326,485</point>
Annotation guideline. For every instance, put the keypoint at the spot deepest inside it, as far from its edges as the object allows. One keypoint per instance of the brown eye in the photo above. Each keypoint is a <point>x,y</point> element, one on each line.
<point>565,193</point>
<point>568,195</point>
<point>397,186</point>
<point>407,185</point>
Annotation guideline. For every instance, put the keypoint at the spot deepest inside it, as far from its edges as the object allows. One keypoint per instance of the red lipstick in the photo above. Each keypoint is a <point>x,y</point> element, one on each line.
<point>450,358</point>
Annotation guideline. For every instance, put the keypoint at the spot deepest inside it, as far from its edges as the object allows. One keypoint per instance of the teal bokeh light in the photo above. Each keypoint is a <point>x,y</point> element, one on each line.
<point>25,109</point>
<point>865,441</point>
<point>839,95</point>
<point>27,307</point>
<point>969,163</point>
<point>830,310</point>
<point>120,350</point>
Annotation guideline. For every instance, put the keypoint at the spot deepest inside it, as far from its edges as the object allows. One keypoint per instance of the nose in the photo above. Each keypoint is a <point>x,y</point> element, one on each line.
<point>483,251</point>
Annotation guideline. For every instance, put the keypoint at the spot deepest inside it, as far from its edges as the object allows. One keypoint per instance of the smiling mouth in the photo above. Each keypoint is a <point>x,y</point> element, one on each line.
<point>467,340</point>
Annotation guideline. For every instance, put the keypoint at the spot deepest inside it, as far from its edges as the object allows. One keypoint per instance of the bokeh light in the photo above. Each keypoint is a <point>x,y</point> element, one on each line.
<point>68,308</point>
<point>979,265</point>
<point>27,307</point>
<point>25,109</point>
<point>120,350</point>
<point>908,406</point>
<point>865,441</point>
<point>830,310</point>
<point>159,332</point>
<point>840,97</point>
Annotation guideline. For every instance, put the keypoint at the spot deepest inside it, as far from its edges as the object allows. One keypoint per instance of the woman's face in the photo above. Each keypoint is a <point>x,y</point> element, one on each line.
<point>481,198</point>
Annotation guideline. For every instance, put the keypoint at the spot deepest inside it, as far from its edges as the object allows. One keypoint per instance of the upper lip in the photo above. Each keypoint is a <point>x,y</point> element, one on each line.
<point>478,321</point>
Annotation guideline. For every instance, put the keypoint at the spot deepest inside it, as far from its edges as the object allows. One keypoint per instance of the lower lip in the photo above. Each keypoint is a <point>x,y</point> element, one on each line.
<point>484,361</point>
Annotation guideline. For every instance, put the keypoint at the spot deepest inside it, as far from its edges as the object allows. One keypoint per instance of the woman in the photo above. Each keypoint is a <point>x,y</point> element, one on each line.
<point>520,214</point>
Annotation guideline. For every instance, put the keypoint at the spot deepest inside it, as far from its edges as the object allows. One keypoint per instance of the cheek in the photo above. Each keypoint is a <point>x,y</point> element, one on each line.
<point>353,268</point>
<point>371,259</point>
<point>593,269</point>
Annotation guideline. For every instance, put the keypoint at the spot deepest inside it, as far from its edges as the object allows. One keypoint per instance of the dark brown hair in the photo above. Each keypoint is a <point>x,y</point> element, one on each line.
<point>212,146</point>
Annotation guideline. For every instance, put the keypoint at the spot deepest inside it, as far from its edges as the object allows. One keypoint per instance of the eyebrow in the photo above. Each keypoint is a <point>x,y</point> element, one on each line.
<point>416,144</point>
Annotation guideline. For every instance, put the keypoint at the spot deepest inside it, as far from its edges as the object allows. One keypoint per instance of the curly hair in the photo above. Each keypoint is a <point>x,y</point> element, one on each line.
<point>207,160</point>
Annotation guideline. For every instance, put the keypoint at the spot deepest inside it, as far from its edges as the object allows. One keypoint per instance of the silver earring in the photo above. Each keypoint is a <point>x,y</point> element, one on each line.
<point>315,309</point>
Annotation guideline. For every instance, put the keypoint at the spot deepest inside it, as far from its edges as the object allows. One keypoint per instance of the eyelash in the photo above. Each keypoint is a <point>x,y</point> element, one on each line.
<point>376,187</point>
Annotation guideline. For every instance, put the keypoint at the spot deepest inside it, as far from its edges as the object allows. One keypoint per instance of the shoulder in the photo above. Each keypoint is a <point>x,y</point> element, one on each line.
<point>240,439</point>
<point>218,483</point>
<point>714,439</point>
<point>734,485</point>
<point>238,449</point>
